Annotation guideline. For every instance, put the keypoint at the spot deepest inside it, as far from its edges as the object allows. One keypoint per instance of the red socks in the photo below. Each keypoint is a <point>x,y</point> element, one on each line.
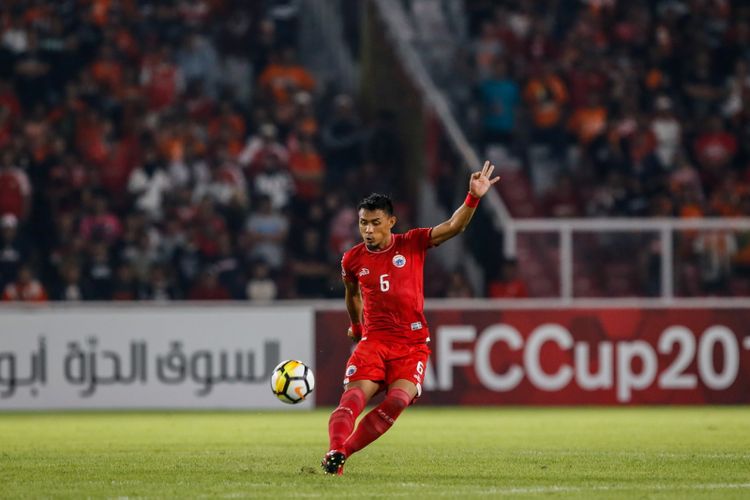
<point>341,422</point>
<point>375,423</point>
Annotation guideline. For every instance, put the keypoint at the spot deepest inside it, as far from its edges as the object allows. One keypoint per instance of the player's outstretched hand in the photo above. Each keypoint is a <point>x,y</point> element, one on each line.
<point>480,182</point>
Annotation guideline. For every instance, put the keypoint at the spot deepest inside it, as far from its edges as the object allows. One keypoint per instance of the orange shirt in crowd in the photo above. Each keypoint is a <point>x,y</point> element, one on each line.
<point>546,97</point>
<point>588,123</point>
<point>308,170</point>
<point>229,130</point>
<point>160,79</point>
<point>278,78</point>
<point>32,291</point>
<point>108,74</point>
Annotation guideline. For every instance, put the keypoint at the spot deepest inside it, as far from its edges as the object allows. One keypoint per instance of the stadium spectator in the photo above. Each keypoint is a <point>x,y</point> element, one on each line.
<point>260,145</point>
<point>227,267</point>
<point>10,111</point>
<point>12,249</point>
<point>565,200</point>
<point>458,286</point>
<point>207,287</point>
<point>668,132</point>
<point>25,288</point>
<point>284,76</point>
<point>162,80</point>
<point>342,138</point>
<point>310,265</point>
<point>500,99</point>
<point>159,287</point>
<point>715,149</point>
<point>487,49</point>
<point>383,154</point>
<point>101,272</point>
<point>124,286</point>
<point>15,187</point>
<point>72,287</point>
<point>308,170</point>
<point>148,183</point>
<point>101,224</point>
<point>198,62</point>
<point>546,94</point>
<point>589,120</point>
<point>716,251</point>
<point>266,231</point>
<point>260,286</point>
<point>141,254</point>
<point>508,284</point>
<point>274,181</point>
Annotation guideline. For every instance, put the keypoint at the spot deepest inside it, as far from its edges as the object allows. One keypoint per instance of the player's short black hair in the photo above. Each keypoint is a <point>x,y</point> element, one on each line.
<point>376,201</point>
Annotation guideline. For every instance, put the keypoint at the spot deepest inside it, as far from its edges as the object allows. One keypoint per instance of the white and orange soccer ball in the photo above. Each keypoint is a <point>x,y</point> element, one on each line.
<point>292,381</point>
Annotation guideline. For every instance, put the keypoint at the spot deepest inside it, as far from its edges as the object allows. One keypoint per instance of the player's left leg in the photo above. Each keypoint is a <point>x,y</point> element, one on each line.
<point>404,373</point>
<point>381,418</point>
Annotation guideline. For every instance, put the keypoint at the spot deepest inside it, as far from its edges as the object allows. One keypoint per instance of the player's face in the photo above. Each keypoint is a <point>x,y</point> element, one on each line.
<point>375,227</point>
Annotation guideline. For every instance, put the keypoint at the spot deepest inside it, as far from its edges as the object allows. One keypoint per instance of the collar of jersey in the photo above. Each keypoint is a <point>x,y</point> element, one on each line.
<point>393,242</point>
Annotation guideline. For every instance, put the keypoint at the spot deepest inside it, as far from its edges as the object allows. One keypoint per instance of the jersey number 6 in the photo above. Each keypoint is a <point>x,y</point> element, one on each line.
<point>384,283</point>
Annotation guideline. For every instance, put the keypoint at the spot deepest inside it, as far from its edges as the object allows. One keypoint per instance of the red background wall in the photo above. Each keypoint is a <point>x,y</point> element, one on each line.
<point>620,327</point>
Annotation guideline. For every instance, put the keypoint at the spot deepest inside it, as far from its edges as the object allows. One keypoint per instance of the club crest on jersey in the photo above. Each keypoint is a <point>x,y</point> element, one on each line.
<point>351,370</point>
<point>363,272</point>
<point>399,260</point>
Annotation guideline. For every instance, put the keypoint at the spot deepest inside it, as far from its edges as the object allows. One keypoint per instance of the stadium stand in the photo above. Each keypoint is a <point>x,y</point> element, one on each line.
<point>173,150</point>
<point>618,109</point>
<point>158,150</point>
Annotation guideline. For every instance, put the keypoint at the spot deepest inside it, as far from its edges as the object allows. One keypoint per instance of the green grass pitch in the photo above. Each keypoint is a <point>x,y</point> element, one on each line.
<point>679,452</point>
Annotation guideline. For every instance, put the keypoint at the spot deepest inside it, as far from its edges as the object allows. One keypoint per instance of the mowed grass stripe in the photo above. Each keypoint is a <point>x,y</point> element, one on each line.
<point>540,490</point>
<point>700,452</point>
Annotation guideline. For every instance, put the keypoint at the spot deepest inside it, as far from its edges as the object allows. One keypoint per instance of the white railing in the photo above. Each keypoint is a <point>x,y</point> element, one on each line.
<point>663,226</point>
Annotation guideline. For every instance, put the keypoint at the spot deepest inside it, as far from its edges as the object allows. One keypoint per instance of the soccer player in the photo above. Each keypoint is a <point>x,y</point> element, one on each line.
<point>383,279</point>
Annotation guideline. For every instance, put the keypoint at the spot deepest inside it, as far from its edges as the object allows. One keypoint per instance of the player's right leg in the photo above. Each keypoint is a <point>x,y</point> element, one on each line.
<point>341,422</point>
<point>364,372</point>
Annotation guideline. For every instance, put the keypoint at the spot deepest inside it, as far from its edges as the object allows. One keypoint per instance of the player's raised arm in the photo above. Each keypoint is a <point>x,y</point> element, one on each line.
<point>479,184</point>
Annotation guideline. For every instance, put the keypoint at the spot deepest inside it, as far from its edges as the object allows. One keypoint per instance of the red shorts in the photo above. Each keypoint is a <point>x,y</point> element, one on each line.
<point>385,363</point>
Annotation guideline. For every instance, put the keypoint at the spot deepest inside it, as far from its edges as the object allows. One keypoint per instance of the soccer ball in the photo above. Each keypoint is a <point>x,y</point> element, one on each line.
<point>292,381</point>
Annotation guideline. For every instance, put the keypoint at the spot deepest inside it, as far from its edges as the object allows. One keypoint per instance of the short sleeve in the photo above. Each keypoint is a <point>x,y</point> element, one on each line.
<point>419,237</point>
<point>347,273</point>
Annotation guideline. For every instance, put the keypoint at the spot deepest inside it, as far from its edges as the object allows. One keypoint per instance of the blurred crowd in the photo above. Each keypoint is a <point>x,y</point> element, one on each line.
<point>643,106</point>
<point>174,149</point>
<point>621,108</point>
<point>164,150</point>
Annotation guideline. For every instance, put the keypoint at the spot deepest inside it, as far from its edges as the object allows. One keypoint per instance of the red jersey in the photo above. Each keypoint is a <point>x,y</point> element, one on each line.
<point>392,285</point>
